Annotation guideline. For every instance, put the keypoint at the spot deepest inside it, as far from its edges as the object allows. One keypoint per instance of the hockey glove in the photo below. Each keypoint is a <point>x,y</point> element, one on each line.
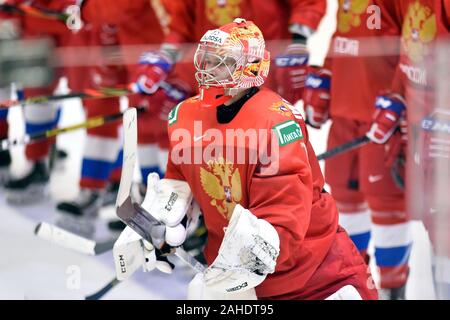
<point>396,146</point>
<point>316,96</point>
<point>290,72</point>
<point>153,68</point>
<point>389,110</point>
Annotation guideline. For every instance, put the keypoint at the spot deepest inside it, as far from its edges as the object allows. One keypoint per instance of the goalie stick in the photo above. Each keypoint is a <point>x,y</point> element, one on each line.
<point>24,9</point>
<point>136,217</point>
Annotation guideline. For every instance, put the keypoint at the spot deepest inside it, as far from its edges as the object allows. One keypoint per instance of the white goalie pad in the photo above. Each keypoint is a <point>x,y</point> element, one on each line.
<point>246,256</point>
<point>197,290</point>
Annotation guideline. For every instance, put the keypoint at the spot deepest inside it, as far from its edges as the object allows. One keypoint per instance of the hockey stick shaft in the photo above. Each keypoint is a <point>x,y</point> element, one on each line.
<point>88,124</point>
<point>97,295</point>
<point>88,93</point>
<point>24,9</point>
<point>101,93</point>
<point>356,143</point>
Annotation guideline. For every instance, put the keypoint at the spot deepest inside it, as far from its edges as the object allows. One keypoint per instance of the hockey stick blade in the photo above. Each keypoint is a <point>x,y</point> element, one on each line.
<point>70,240</point>
<point>65,238</point>
<point>129,155</point>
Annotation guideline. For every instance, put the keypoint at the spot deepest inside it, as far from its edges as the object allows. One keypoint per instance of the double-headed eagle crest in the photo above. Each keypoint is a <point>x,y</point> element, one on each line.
<point>222,183</point>
<point>221,12</point>
<point>419,28</point>
<point>349,14</point>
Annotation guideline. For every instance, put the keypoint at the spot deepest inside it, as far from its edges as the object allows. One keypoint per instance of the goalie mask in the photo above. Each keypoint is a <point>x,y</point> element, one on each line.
<point>232,58</point>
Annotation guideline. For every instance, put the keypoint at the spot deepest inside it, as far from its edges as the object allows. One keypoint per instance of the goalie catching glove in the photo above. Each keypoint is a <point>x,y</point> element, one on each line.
<point>248,253</point>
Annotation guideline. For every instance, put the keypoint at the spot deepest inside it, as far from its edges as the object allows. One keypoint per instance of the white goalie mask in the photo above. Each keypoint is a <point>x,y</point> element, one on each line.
<point>232,56</point>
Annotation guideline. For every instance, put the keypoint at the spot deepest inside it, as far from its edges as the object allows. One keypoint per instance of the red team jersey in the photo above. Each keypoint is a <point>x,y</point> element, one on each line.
<point>37,26</point>
<point>136,23</point>
<point>190,19</point>
<point>137,19</point>
<point>422,24</point>
<point>287,191</point>
<point>362,63</point>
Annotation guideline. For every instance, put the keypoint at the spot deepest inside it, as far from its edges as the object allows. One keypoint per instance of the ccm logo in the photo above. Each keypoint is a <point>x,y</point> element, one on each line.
<point>291,61</point>
<point>123,269</point>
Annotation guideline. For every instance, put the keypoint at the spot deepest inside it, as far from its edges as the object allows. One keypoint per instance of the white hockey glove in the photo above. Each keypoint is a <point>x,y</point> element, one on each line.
<point>132,252</point>
<point>171,202</point>
<point>248,253</point>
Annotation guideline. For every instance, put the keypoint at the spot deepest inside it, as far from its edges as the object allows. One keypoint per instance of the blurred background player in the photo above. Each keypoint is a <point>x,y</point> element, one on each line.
<point>294,21</point>
<point>38,117</point>
<point>117,28</point>
<point>360,66</point>
<point>420,88</point>
<point>102,144</point>
<point>9,30</point>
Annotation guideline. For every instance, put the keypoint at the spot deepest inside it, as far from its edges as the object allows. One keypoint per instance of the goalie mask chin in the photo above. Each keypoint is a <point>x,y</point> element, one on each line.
<point>230,59</point>
<point>246,256</point>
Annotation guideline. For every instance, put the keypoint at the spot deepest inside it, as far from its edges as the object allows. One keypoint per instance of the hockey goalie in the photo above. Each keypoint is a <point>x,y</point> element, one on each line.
<point>242,154</point>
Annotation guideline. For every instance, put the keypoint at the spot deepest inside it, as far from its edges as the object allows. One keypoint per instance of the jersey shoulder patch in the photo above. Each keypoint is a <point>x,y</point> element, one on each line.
<point>287,132</point>
<point>174,114</point>
<point>172,118</point>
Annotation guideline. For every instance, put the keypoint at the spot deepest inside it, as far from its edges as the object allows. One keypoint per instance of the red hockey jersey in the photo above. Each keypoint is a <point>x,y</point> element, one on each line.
<point>362,58</point>
<point>136,20</point>
<point>190,19</point>
<point>423,25</point>
<point>226,164</point>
